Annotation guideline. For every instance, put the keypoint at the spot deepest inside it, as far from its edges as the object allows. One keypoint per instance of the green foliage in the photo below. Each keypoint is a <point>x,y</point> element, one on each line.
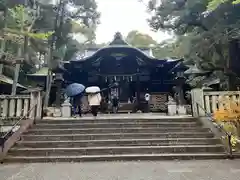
<point>172,48</point>
<point>138,39</point>
<point>213,4</point>
<point>31,26</point>
<point>208,33</point>
<point>41,36</point>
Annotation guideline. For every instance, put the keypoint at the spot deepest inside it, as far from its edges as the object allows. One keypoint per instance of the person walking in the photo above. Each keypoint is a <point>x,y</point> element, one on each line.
<point>77,109</point>
<point>147,99</point>
<point>115,102</point>
<point>94,99</point>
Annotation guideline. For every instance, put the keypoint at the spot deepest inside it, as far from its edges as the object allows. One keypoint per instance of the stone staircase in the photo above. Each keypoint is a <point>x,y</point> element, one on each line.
<point>76,140</point>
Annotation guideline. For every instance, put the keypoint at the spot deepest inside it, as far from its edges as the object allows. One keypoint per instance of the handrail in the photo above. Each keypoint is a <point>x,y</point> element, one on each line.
<point>3,138</point>
<point>228,134</point>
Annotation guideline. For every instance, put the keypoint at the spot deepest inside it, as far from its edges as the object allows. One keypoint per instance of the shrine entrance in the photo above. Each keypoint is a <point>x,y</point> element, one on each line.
<point>126,90</point>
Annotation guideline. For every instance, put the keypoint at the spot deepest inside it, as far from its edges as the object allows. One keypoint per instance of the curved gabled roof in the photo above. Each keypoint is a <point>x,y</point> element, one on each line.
<point>117,44</point>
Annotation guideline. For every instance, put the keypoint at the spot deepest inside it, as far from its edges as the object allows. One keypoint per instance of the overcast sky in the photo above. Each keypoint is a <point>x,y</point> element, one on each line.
<point>123,16</point>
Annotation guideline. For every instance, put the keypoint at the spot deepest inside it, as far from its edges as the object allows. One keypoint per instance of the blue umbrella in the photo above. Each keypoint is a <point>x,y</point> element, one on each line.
<point>74,89</point>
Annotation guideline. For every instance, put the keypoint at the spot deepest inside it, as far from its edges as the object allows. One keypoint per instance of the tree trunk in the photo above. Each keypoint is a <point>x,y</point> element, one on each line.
<point>50,58</point>
<point>48,80</point>
<point>3,43</point>
<point>16,73</point>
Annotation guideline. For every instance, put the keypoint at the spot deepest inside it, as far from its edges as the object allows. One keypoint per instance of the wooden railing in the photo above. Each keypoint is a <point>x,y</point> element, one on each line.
<point>214,100</point>
<point>211,100</point>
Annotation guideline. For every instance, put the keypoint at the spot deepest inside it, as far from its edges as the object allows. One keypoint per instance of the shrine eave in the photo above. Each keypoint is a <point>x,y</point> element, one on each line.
<point>121,49</point>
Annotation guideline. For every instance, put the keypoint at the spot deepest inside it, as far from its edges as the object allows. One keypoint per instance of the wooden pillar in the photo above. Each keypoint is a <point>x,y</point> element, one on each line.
<point>58,94</point>
<point>58,81</point>
<point>1,69</point>
<point>138,88</point>
<point>16,75</point>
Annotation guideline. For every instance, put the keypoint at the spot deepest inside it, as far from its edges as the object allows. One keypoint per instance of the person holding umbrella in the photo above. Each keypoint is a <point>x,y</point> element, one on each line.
<point>75,91</point>
<point>94,99</point>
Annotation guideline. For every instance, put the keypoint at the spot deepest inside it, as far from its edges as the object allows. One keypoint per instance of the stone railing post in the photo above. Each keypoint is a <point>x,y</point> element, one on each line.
<point>5,107</point>
<point>197,99</point>
<point>19,102</point>
<point>12,106</point>
<point>39,105</point>
<point>33,101</point>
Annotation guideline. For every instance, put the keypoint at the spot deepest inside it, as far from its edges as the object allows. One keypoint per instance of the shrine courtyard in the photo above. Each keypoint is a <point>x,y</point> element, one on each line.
<point>145,170</point>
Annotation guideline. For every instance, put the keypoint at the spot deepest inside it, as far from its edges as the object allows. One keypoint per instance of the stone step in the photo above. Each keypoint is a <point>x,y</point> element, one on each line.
<point>116,136</point>
<point>115,150</point>
<point>117,157</point>
<point>114,130</point>
<point>112,120</point>
<point>118,125</point>
<point>118,142</point>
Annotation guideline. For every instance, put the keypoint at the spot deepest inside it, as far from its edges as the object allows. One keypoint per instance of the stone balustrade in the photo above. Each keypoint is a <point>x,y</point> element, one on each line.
<point>21,106</point>
<point>14,106</point>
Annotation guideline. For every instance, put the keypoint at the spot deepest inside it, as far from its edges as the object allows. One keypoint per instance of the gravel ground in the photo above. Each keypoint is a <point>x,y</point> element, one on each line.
<point>159,170</point>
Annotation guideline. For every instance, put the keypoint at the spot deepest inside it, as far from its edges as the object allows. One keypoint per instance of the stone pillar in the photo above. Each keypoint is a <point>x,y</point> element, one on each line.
<point>172,107</point>
<point>39,105</point>
<point>197,102</point>
<point>25,107</point>
<point>180,95</point>
<point>5,108</point>
<point>12,109</point>
<point>66,108</point>
<point>19,107</point>
<point>33,101</point>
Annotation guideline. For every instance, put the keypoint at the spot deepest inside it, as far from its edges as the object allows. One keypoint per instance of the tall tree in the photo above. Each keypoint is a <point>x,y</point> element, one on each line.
<point>213,4</point>
<point>139,39</point>
<point>64,25</point>
<point>210,32</point>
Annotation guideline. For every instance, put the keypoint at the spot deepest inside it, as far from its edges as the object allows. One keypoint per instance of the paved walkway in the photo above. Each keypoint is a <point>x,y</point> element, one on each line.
<point>124,116</point>
<point>161,170</point>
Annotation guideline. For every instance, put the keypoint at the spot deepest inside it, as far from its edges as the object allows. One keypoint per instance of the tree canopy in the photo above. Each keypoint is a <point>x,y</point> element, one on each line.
<point>38,23</point>
<point>213,4</point>
<point>138,39</point>
<point>209,33</point>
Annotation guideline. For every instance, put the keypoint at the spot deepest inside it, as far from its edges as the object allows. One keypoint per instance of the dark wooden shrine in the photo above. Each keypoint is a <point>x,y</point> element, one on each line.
<point>135,69</point>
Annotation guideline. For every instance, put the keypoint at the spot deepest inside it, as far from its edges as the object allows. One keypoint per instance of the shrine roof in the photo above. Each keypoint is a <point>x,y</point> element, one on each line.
<point>119,49</point>
<point>117,44</point>
<point>7,80</point>
<point>41,72</point>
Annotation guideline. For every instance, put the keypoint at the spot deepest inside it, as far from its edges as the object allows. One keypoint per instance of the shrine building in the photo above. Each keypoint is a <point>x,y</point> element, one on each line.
<point>136,70</point>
